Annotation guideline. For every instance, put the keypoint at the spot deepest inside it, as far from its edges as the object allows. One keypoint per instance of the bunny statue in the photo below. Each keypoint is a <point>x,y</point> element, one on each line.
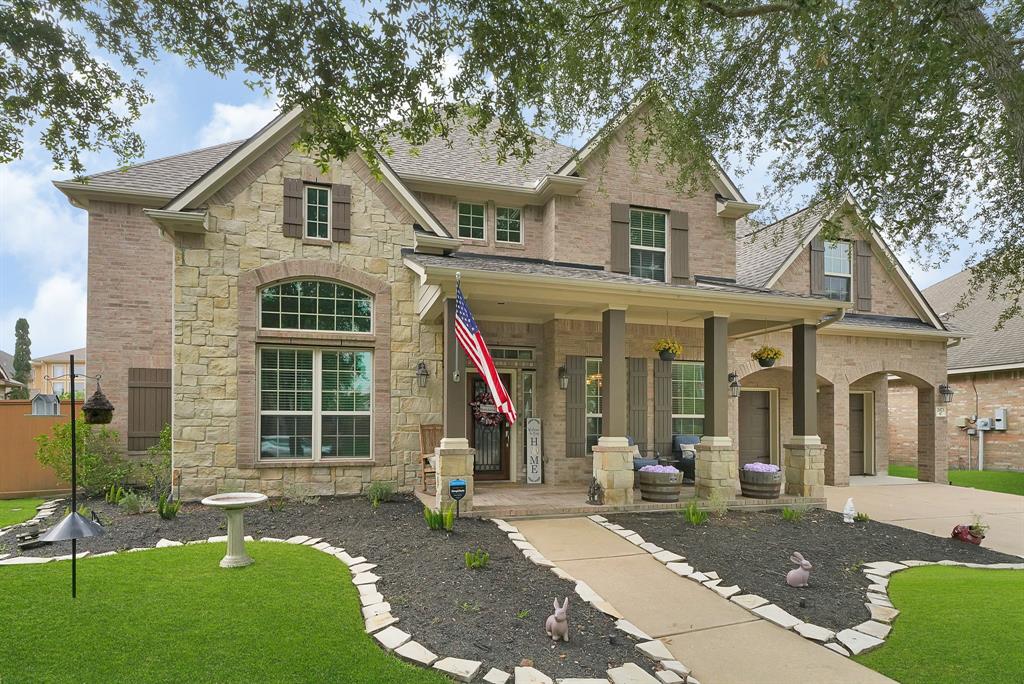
<point>798,577</point>
<point>557,625</point>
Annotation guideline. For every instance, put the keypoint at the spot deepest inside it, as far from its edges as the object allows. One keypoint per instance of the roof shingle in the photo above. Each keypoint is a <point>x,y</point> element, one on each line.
<point>761,250</point>
<point>165,176</point>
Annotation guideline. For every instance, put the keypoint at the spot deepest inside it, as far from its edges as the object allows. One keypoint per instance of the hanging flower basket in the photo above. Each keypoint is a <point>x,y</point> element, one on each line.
<point>484,411</point>
<point>668,349</point>
<point>760,481</point>
<point>98,410</point>
<point>766,356</point>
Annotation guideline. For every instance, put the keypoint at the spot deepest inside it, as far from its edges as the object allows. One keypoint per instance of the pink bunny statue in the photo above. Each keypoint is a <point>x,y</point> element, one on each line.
<point>557,625</point>
<point>798,577</point>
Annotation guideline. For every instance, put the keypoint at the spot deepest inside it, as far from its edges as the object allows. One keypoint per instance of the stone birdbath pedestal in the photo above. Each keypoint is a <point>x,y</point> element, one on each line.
<point>234,504</point>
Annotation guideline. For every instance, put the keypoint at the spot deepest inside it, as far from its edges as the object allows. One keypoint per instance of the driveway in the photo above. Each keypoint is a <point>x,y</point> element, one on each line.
<point>935,508</point>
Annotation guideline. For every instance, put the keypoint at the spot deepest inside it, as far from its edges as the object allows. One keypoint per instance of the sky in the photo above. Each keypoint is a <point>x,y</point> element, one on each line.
<point>43,238</point>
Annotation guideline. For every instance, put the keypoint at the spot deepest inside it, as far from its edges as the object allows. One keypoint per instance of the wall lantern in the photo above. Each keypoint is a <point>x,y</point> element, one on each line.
<point>563,378</point>
<point>734,385</point>
<point>422,374</point>
<point>946,392</point>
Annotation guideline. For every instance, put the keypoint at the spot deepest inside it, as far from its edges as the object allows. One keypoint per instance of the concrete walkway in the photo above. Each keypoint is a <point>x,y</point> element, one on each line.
<point>935,508</point>
<point>721,642</point>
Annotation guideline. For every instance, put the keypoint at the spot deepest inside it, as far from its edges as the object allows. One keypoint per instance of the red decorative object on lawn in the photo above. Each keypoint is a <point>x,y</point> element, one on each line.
<point>965,534</point>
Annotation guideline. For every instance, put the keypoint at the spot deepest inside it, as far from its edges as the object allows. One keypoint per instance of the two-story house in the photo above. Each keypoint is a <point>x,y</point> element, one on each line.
<point>302,319</point>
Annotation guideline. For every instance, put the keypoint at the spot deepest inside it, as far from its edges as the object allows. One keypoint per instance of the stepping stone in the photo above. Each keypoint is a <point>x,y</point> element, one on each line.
<point>681,569</point>
<point>669,677</point>
<point>598,518</point>
<point>655,650</point>
<point>105,553</point>
<point>164,543</point>
<point>882,613</point>
<point>833,646</point>
<point>391,638</point>
<point>496,676</point>
<point>635,539</point>
<point>581,680</point>
<point>675,666</point>
<point>376,609</point>
<point>218,539</point>
<point>197,541</point>
<point>711,584</point>
<point>877,588</point>
<point>367,589</point>
<point>416,653</point>
<point>630,673</point>
<point>875,579</point>
<point>814,632</point>
<point>25,560</point>
<point>584,591</point>
<point>631,629</point>
<point>885,567</point>
<point>613,526</point>
<point>330,550</point>
<point>858,642</point>
<point>540,560</point>
<point>67,556</point>
<point>298,539</point>
<point>362,567</point>
<point>878,630</point>
<point>459,669</point>
<point>350,561</point>
<point>916,563</point>
<point>271,539</point>
<point>880,600</point>
<point>607,608</point>
<point>320,546</point>
<point>948,562</point>
<point>524,546</point>
<point>698,577</point>
<point>365,578</point>
<point>312,542</point>
<point>141,548</point>
<point>692,680</point>
<point>668,557</point>
<point>529,675</point>
<point>622,532</point>
<point>562,574</point>
<point>248,538</point>
<point>378,622</point>
<point>711,575</point>
<point>371,599</point>
<point>726,592</point>
<point>775,614</point>
<point>516,536</point>
<point>651,547</point>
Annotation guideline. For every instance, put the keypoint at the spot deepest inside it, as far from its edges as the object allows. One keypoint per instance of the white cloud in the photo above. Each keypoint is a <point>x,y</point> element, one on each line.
<point>234,122</point>
<point>56,318</point>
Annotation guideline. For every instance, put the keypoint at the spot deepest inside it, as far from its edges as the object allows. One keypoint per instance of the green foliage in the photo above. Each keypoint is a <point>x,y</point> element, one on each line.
<point>276,505</point>
<point>717,505</point>
<point>380,492</point>
<point>693,514</point>
<point>22,357</point>
<point>115,494</point>
<point>167,509</point>
<point>978,527</point>
<point>523,614</point>
<point>156,470</point>
<point>477,560</point>
<point>792,514</point>
<point>83,511</point>
<point>766,352</point>
<point>443,519</point>
<point>469,607</point>
<point>134,503</point>
<point>100,460</point>
<point>861,517</point>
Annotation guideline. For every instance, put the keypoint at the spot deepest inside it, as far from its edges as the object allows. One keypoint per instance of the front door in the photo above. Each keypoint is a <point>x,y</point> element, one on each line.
<point>755,427</point>
<point>491,441</point>
<point>856,434</point>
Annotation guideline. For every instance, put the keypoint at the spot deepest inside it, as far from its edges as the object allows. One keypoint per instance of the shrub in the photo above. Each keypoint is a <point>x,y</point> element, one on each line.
<point>134,503</point>
<point>717,505</point>
<point>380,492</point>
<point>115,494</point>
<point>694,515</point>
<point>477,560</point>
<point>792,514</point>
<point>100,461</point>
<point>443,519</point>
<point>861,517</point>
<point>167,509</point>
<point>156,472</point>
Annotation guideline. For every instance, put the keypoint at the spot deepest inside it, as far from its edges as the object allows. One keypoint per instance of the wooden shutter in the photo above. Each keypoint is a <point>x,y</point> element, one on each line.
<point>663,407</point>
<point>680,221</point>
<point>620,238</point>
<point>863,275</point>
<point>149,406</point>
<point>636,421</point>
<point>576,407</point>
<point>293,207</point>
<point>341,213</point>
<point>817,266</point>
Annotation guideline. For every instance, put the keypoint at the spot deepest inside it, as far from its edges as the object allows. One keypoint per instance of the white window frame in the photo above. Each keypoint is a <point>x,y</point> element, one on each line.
<point>325,333</point>
<point>672,398</point>
<point>661,250</point>
<point>305,211</point>
<point>496,223</point>
<point>317,413</point>
<point>458,220</point>
<point>586,403</point>
<point>835,274</point>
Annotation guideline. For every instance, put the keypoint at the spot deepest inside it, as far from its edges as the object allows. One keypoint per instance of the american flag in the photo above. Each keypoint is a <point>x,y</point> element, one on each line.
<point>472,342</point>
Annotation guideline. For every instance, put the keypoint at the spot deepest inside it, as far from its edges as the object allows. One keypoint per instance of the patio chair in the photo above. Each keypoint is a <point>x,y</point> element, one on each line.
<point>430,439</point>
<point>685,452</point>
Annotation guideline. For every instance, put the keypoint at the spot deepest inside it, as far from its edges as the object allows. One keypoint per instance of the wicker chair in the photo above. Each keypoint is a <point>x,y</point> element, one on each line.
<point>430,439</point>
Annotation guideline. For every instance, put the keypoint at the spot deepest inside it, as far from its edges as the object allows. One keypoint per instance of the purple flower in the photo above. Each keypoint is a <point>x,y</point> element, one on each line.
<point>761,468</point>
<point>659,469</point>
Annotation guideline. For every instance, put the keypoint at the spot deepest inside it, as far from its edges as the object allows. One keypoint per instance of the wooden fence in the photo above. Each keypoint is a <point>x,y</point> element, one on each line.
<point>20,472</point>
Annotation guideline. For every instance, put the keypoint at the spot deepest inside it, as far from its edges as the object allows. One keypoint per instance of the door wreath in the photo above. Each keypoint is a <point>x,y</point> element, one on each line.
<point>487,418</point>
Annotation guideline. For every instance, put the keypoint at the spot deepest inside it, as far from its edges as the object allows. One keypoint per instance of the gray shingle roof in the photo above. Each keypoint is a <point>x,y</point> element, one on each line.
<point>987,347</point>
<point>7,364</point>
<point>165,176</point>
<point>761,250</point>
<point>895,322</point>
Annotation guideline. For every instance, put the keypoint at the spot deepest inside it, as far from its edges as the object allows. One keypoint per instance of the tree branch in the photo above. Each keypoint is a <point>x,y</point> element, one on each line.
<point>750,11</point>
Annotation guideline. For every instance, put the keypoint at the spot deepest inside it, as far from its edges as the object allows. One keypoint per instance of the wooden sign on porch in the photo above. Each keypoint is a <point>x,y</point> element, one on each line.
<point>534,470</point>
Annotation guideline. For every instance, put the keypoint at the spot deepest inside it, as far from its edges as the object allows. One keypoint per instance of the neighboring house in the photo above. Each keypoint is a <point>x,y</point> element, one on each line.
<point>7,382</point>
<point>986,374</point>
<point>47,372</point>
<point>289,308</point>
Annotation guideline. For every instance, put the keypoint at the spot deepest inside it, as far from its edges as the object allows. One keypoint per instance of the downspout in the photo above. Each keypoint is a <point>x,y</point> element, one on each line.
<point>831,318</point>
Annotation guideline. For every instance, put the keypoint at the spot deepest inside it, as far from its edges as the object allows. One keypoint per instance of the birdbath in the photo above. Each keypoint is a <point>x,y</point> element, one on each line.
<point>234,504</point>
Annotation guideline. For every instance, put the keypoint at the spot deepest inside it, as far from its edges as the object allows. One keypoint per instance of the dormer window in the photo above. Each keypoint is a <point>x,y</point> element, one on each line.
<point>647,244</point>
<point>838,270</point>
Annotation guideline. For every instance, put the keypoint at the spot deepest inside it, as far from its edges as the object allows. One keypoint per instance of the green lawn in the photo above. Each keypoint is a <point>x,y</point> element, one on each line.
<point>173,615</point>
<point>991,480</point>
<point>955,625</point>
<point>13,511</point>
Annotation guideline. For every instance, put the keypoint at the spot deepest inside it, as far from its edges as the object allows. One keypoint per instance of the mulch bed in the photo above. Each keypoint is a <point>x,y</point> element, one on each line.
<point>495,615</point>
<point>752,550</point>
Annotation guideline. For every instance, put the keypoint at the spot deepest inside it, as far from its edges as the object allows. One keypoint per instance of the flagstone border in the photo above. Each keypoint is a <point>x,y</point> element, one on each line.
<point>855,640</point>
<point>43,511</point>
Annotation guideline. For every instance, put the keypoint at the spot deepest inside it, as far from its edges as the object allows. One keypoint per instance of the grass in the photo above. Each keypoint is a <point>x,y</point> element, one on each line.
<point>14,511</point>
<point>955,625</point>
<point>1006,481</point>
<point>173,615</point>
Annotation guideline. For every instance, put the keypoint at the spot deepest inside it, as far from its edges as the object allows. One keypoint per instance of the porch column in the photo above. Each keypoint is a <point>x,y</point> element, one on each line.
<point>454,458</point>
<point>717,467</point>
<point>613,457</point>
<point>805,454</point>
<point>932,456</point>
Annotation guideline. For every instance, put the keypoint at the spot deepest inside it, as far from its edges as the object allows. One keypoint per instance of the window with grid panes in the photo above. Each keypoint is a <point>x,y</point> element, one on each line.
<point>647,244</point>
<point>688,398</point>
<point>508,225</point>
<point>315,305</point>
<point>471,221</point>
<point>595,408</point>
<point>318,212</point>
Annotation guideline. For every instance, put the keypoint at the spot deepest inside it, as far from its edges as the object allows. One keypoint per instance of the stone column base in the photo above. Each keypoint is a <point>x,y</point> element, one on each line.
<point>717,468</point>
<point>805,466</point>
<point>613,469</point>
<point>454,462</point>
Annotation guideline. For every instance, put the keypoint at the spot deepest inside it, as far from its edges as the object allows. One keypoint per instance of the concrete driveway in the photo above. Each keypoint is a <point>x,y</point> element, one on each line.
<point>935,508</point>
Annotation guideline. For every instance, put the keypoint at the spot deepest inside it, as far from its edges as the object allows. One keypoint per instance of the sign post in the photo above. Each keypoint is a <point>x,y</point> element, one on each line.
<point>457,490</point>
<point>534,467</point>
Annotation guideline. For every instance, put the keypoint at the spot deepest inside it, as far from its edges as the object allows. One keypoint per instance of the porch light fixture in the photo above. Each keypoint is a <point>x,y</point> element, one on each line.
<point>563,378</point>
<point>734,385</point>
<point>422,374</point>
<point>946,392</point>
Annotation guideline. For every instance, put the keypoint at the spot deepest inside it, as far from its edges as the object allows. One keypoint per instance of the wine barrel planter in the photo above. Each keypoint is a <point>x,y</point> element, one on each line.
<point>757,485</point>
<point>660,487</point>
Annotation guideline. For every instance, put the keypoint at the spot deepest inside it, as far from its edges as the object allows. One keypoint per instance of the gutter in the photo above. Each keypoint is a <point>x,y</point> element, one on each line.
<point>834,317</point>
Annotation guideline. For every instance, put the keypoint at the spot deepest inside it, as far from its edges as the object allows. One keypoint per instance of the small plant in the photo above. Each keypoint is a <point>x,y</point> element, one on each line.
<point>380,492</point>
<point>861,517</point>
<point>134,503</point>
<point>792,514</point>
<point>668,347</point>
<point>443,519</point>
<point>767,353</point>
<point>694,515</point>
<point>468,607</point>
<point>717,504</point>
<point>156,471</point>
<point>522,615</point>
<point>168,510</point>
<point>83,511</point>
<point>978,527</point>
<point>276,505</point>
<point>115,494</point>
<point>477,560</point>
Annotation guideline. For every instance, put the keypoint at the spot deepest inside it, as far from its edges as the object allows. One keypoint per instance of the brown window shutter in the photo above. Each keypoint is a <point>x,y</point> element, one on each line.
<point>680,221</point>
<point>817,266</point>
<point>663,407</point>
<point>863,275</point>
<point>149,406</point>
<point>620,238</point>
<point>341,212</point>
<point>293,207</point>
<point>576,407</point>
<point>636,420</point>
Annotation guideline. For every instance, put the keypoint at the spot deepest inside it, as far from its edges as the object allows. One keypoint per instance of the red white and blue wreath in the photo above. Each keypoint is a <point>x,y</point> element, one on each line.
<point>489,418</point>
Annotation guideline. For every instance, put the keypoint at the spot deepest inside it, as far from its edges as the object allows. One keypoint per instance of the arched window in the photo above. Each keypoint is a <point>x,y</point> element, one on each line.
<point>315,305</point>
